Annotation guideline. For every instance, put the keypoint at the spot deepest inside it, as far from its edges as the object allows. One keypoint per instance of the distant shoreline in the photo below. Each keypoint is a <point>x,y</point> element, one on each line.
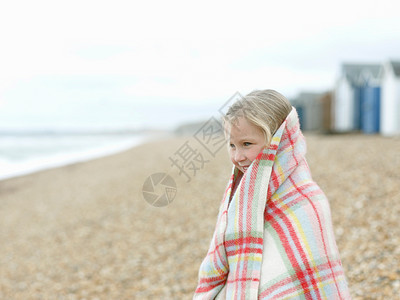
<point>11,170</point>
<point>141,136</point>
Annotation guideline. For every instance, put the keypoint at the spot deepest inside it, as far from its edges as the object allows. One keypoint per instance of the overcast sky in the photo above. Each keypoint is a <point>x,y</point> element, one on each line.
<point>94,59</point>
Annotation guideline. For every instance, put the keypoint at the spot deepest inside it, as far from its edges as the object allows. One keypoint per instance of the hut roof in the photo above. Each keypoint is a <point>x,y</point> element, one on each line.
<point>309,95</point>
<point>396,67</point>
<point>306,97</point>
<point>359,74</point>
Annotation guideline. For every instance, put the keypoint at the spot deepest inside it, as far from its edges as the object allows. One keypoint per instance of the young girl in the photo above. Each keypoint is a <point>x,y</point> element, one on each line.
<point>274,237</point>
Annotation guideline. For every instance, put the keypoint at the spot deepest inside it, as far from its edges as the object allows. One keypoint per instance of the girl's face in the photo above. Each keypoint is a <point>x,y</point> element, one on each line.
<point>246,141</point>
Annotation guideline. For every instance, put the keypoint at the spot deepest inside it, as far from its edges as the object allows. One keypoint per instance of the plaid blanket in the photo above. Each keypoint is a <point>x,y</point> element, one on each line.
<point>274,237</point>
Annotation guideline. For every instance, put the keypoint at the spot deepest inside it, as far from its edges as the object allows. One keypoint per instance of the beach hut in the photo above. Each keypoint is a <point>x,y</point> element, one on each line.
<point>352,85</point>
<point>309,109</point>
<point>370,108</point>
<point>390,99</point>
<point>370,101</point>
<point>300,111</point>
<point>326,103</point>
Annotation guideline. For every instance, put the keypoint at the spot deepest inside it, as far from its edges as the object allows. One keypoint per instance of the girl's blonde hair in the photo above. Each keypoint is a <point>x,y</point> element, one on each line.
<point>266,109</point>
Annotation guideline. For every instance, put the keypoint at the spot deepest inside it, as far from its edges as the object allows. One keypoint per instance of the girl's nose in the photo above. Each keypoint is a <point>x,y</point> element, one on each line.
<point>239,156</point>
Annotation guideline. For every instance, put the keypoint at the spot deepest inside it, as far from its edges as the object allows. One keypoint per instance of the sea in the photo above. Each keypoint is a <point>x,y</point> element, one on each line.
<point>25,148</point>
<point>24,152</point>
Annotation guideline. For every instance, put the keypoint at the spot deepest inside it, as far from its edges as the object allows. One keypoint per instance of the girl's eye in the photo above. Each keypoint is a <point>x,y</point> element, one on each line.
<point>232,145</point>
<point>246,144</point>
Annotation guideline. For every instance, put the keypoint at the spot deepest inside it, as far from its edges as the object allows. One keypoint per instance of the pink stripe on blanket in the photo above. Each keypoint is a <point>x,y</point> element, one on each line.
<point>300,274</point>
<point>322,235</point>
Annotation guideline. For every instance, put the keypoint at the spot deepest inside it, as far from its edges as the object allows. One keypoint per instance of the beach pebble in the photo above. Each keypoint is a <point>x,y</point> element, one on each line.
<point>86,232</point>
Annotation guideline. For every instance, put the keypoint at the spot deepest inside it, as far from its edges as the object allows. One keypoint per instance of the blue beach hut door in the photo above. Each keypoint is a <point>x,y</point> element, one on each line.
<point>370,109</point>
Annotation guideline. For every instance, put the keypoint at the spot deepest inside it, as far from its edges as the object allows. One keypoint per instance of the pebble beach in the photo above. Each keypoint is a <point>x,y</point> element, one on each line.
<point>85,231</point>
